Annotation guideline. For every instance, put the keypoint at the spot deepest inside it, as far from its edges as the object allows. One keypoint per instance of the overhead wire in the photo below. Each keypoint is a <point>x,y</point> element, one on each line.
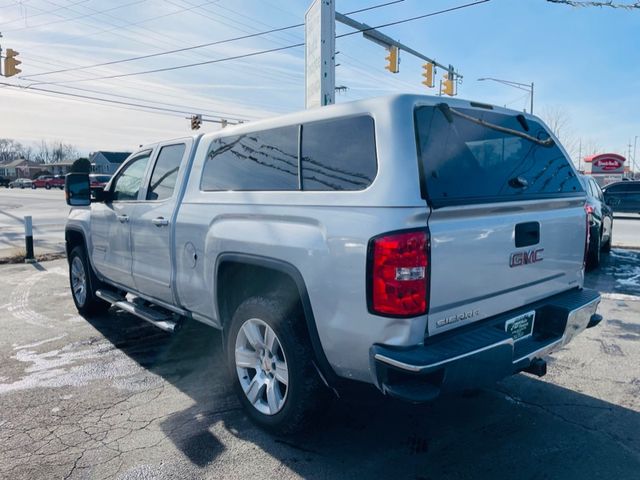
<point>198,46</point>
<point>62,20</point>
<point>165,39</point>
<point>262,52</point>
<point>116,102</point>
<point>43,12</point>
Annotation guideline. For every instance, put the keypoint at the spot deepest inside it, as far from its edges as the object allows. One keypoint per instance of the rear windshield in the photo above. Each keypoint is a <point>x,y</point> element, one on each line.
<point>463,162</point>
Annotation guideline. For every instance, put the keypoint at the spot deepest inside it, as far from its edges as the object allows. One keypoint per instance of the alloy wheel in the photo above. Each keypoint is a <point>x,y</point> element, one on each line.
<point>78,281</point>
<point>261,366</point>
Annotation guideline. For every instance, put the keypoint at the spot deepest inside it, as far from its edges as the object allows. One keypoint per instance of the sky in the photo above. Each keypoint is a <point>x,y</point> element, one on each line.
<point>584,63</point>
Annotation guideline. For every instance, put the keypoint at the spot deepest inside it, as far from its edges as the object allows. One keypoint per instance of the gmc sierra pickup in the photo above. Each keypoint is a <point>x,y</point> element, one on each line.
<point>418,244</point>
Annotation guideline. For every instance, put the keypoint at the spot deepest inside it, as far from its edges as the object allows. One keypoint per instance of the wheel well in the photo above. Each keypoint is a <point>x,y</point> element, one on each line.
<point>238,281</point>
<point>73,239</point>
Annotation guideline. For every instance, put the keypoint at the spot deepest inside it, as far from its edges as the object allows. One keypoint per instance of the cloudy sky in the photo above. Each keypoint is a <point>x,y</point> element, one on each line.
<point>585,63</point>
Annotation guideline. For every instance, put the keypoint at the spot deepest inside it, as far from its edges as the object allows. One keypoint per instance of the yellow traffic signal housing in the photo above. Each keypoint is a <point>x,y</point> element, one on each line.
<point>196,121</point>
<point>448,85</point>
<point>393,58</point>
<point>11,63</point>
<point>429,79</point>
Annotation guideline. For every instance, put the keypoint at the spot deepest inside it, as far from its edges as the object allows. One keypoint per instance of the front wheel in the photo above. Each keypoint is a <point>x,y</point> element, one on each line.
<point>33,187</point>
<point>271,364</point>
<point>47,186</point>
<point>84,284</point>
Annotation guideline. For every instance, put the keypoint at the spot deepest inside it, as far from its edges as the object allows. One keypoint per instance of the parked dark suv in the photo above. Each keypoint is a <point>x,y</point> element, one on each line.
<point>600,222</point>
<point>623,196</point>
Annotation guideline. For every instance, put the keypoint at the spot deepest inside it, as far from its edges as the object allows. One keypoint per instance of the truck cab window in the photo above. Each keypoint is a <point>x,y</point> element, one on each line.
<point>127,185</point>
<point>165,172</point>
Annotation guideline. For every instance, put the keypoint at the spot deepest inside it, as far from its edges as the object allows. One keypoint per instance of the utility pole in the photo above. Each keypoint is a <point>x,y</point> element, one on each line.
<point>635,144</point>
<point>580,156</point>
<point>319,53</point>
<point>320,38</point>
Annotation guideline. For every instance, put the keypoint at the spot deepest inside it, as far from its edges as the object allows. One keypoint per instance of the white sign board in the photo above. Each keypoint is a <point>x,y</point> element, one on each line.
<point>319,54</point>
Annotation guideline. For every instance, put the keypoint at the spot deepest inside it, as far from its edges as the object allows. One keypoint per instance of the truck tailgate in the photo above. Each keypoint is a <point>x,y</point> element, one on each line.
<point>477,269</point>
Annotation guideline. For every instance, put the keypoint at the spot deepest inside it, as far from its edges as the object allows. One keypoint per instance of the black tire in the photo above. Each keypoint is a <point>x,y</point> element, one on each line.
<point>90,304</point>
<point>47,186</point>
<point>607,246</point>
<point>33,187</point>
<point>306,396</point>
<point>593,257</point>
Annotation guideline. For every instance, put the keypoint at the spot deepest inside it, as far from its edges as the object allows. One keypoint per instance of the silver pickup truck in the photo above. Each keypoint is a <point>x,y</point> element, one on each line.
<point>418,244</point>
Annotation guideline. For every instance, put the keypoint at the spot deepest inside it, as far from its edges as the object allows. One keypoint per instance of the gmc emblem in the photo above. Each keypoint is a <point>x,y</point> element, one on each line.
<point>524,258</point>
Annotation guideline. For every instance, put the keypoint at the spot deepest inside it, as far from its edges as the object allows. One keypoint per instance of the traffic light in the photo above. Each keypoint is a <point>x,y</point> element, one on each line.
<point>393,58</point>
<point>429,80</point>
<point>11,62</point>
<point>196,121</point>
<point>448,84</point>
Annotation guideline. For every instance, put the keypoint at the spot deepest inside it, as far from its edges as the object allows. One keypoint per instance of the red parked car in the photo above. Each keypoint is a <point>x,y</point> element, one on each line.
<point>43,181</point>
<point>57,182</point>
<point>98,181</point>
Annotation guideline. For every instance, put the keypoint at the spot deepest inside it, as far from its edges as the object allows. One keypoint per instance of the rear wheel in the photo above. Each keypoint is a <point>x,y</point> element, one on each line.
<point>607,246</point>
<point>271,363</point>
<point>47,186</point>
<point>593,258</point>
<point>33,186</point>
<point>84,284</point>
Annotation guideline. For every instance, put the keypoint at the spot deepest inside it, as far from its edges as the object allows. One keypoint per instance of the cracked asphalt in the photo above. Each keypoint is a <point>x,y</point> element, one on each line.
<point>112,397</point>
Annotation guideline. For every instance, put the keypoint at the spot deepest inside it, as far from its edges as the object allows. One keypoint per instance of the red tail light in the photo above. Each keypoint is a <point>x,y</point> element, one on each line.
<point>398,273</point>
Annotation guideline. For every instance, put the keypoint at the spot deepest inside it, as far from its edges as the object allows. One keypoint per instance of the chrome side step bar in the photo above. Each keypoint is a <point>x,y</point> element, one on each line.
<point>158,319</point>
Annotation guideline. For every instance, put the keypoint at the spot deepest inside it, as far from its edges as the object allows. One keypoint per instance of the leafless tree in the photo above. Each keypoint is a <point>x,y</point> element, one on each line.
<point>9,149</point>
<point>55,152</point>
<point>26,152</point>
<point>586,3</point>
<point>559,122</point>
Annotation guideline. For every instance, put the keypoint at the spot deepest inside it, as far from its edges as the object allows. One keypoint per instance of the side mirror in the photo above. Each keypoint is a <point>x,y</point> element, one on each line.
<point>77,190</point>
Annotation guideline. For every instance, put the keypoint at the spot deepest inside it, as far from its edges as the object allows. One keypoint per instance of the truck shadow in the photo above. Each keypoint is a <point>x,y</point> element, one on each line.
<point>522,428</point>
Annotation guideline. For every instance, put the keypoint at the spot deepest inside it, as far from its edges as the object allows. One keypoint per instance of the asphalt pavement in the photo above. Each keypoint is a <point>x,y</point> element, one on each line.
<point>48,211</point>
<point>112,397</point>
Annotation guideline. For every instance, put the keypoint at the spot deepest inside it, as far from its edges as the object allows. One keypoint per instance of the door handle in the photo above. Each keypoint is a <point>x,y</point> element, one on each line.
<point>160,222</point>
<point>123,218</point>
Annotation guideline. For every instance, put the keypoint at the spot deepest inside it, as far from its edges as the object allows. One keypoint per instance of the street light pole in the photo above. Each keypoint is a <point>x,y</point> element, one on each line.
<point>527,87</point>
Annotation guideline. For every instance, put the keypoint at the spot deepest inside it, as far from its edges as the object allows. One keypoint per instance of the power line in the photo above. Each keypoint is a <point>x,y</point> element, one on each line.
<point>45,12</point>
<point>198,109</point>
<point>14,4</point>
<point>114,102</point>
<point>139,22</point>
<point>419,17</point>
<point>376,6</point>
<point>168,52</point>
<point>194,47</point>
<point>84,15</point>
<point>260,52</point>
<point>163,39</point>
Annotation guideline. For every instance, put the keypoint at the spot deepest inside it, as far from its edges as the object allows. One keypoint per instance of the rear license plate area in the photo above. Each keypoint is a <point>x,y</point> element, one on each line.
<point>521,326</point>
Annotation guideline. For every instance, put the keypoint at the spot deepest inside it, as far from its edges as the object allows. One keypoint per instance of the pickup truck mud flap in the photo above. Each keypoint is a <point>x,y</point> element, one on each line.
<point>479,355</point>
